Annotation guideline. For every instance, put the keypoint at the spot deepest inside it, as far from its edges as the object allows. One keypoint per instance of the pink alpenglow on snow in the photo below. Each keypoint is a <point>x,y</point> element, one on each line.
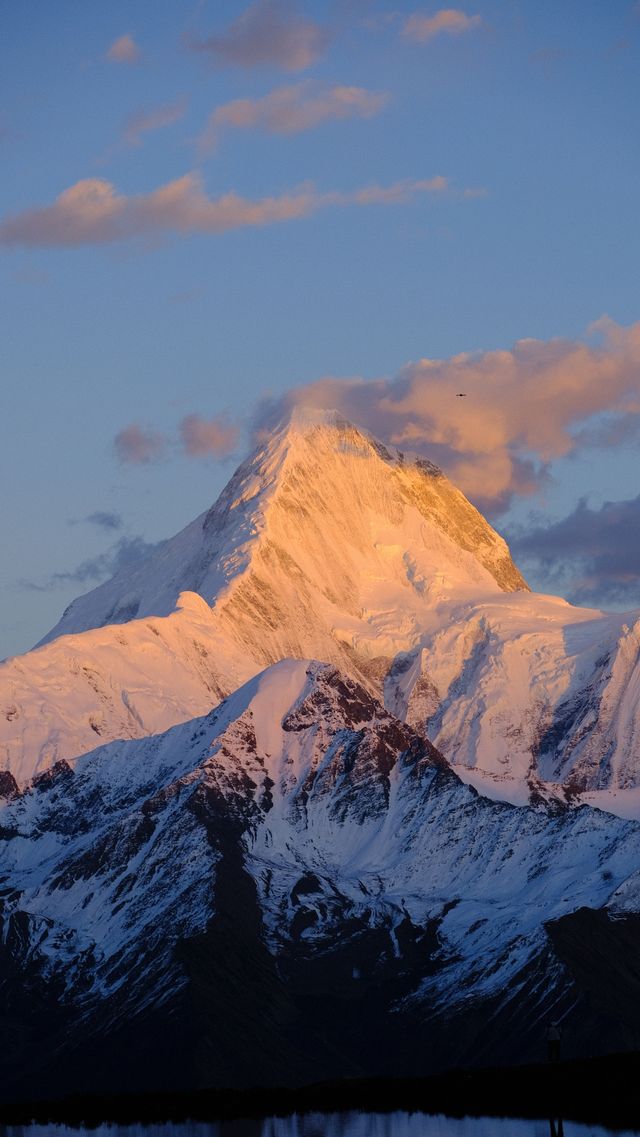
<point>328,545</point>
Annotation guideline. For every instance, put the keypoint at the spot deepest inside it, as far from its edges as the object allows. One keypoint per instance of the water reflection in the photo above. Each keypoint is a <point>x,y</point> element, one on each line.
<point>333,1125</point>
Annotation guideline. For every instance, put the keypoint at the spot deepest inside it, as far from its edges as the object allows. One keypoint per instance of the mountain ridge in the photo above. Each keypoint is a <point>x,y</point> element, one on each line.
<point>285,884</point>
<point>275,471</point>
<point>326,544</point>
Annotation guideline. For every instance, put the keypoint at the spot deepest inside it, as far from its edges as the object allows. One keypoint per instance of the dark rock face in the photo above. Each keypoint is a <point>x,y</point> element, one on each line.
<point>8,785</point>
<point>60,772</point>
<point>241,902</point>
<point>601,957</point>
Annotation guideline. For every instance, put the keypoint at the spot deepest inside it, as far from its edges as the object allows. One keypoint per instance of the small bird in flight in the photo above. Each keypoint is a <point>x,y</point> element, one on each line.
<point>461,395</point>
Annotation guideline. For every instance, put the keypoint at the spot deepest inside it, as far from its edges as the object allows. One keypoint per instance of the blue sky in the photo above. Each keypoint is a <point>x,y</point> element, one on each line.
<point>408,183</point>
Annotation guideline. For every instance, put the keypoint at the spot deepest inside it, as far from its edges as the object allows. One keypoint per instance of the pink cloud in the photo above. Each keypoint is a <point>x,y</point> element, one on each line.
<point>144,121</point>
<point>214,437</point>
<point>291,110</point>
<point>93,212</point>
<point>448,21</point>
<point>521,409</point>
<point>269,32</point>
<point>399,192</point>
<point>123,50</point>
<point>138,446</point>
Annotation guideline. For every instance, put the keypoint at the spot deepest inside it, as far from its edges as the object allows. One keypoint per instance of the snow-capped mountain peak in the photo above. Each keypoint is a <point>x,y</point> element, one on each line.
<point>327,545</point>
<point>321,507</point>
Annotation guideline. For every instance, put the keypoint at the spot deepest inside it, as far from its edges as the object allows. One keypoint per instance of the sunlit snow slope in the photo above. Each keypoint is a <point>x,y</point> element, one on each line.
<point>323,545</point>
<point>327,545</point>
<point>321,524</point>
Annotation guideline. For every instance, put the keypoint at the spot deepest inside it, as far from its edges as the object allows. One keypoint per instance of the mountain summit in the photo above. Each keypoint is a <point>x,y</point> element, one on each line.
<point>320,519</point>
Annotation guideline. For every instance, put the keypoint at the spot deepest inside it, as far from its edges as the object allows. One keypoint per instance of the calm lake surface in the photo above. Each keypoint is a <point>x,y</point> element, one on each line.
<point>334,1125</point>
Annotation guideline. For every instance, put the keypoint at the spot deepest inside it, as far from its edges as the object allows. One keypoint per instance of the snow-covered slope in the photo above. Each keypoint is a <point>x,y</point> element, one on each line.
<point>326,545</point>
<point>323,545</point>
<point>293,883</point>
<point>122,681</point>
<point>321,523</point>
<point>119,846</point>
<point>362,857</point>
<point>531,695</point>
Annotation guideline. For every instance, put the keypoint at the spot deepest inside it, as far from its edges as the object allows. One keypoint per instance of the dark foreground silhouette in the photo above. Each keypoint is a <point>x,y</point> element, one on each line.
<point>602,1091</point>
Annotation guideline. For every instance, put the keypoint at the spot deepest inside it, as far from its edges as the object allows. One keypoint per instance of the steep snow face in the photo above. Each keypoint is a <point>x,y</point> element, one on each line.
<point>358,547</point>
<point>123,681</point>
<point>320,520</point>
<point>347,820</point>
<point>115,856</point>
<point>524,694</point>
<point>489,874</point>
<point>529,695</point>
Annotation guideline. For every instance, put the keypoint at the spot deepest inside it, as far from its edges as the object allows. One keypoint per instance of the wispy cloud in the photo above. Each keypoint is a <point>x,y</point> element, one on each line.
<point>520,409</point>
<point>155,118</point>
<point>291,110</point>
<point>197,437</point>
<point>592,555</point>
<point>123,50</point>
<point>268,33</point>
<point>103,518</point>
<point>215,437</point>
<point>127,551</point>
<point>421,28</point>
<point>93,212</point>
<point>137,445</point>
<point>399,192</point>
